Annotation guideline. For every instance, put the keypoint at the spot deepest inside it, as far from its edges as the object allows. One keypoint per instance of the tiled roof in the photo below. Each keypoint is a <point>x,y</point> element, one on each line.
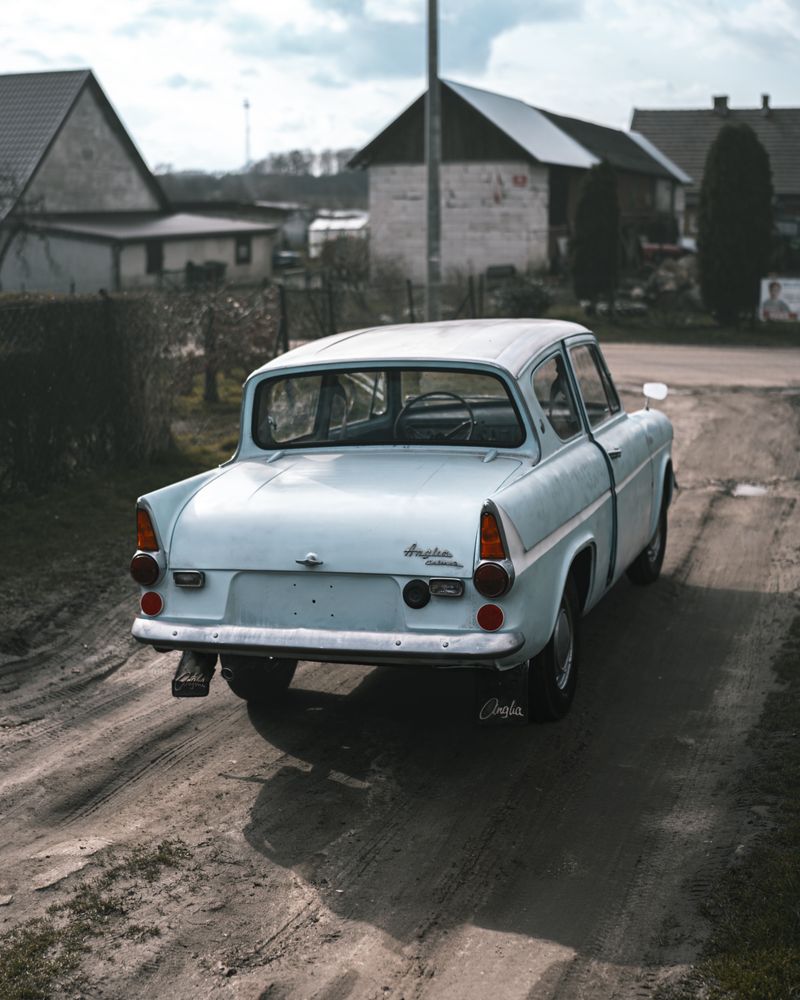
<point>685,136</point>
<point>33,107</point>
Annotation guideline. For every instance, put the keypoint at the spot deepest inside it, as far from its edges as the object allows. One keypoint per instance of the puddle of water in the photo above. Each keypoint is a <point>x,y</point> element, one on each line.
<point>749,490</point>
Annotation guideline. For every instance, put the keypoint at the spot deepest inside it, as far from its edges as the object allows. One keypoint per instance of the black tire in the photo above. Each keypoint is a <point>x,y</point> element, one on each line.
<point>646,567</point>
<point>259,680</point>
<point>553,674</point>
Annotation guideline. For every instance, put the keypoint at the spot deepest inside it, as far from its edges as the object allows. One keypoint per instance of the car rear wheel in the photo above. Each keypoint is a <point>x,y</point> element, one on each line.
<point>259,680</point>
<point>646,568</point>
<point>553,673</point>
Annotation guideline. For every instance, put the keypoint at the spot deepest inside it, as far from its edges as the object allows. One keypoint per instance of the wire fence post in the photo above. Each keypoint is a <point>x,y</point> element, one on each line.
<point>331,311</point>
<point>410,293</point>
<point>283,321</point>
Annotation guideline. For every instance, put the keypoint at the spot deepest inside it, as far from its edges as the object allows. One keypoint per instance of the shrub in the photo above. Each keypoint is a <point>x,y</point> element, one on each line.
<point>522,296</point>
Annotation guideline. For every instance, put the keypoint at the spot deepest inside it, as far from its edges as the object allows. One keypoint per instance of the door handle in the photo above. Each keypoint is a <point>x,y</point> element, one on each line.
<point>615,452</point>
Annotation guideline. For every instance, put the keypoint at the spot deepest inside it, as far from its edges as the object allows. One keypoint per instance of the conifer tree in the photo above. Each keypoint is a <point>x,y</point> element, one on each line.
<point>735,223</point>
<point>596,242</point>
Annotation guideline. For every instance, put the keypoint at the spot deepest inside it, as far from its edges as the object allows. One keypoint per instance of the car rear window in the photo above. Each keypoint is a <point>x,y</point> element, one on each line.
<point>412,405</point>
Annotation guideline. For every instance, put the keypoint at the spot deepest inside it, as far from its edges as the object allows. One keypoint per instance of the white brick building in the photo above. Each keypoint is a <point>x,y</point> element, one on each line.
<point>509,182</point>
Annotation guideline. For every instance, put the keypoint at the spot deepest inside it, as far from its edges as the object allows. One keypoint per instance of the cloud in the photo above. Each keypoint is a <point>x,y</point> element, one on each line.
<point>367,39</point>
<point>179,82</point>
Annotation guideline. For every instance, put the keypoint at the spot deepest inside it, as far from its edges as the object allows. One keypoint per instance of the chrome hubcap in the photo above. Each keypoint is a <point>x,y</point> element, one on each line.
<point>562,648</point>
<point>654,546</point>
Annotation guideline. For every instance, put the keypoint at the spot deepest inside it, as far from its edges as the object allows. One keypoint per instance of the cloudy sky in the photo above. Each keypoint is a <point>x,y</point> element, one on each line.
<point>331,73</point>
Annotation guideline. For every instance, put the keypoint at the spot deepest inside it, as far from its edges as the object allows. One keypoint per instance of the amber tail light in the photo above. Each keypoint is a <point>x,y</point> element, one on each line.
<point>491,540</point>
<point>145,532</point>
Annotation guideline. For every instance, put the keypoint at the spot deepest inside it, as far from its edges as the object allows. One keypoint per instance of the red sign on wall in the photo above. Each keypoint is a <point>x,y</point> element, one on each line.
<point>520,180</point>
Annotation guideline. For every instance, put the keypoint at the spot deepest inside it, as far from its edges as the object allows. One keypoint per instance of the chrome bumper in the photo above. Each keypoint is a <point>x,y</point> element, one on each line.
<point>327,644</point>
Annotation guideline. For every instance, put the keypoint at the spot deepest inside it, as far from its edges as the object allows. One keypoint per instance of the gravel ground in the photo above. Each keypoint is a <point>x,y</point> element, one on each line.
<point>365,840</point>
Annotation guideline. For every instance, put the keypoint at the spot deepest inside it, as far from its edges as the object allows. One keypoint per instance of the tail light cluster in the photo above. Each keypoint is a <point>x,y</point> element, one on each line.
<point>491,578</point>
<point>145,568</point>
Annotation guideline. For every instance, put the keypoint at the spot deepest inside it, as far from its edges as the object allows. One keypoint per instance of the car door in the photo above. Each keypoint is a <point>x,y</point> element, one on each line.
<point>626,448</point>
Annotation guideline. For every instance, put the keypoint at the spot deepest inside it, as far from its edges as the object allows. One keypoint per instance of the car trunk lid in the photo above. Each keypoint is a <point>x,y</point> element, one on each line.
<point>398,513</point>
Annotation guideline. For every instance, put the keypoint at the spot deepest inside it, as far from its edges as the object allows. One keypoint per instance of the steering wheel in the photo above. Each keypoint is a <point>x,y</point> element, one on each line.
<point>409,432</point>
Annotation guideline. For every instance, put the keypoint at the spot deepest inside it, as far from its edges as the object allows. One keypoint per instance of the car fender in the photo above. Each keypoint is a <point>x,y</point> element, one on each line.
<point>533,602</point>
<point>166,504</point>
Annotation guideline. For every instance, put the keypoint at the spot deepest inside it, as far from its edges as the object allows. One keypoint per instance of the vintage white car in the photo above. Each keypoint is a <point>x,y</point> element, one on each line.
<point>454,494</point>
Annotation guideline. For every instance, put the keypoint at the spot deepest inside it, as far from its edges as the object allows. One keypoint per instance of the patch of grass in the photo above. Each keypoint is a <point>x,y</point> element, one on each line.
<point>44,953</point>
<point>754,949</point>
<point>207,433</point>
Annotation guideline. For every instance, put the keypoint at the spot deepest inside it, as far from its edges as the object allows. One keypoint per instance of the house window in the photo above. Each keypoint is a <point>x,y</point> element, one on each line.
<point>244,250</point>
<point>155,256</point>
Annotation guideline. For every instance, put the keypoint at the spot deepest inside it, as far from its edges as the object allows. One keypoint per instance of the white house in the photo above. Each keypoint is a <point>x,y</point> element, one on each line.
<point>81,211</point>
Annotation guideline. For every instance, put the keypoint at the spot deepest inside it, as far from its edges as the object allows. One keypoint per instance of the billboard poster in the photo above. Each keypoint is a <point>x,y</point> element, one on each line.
<point>780,299</point>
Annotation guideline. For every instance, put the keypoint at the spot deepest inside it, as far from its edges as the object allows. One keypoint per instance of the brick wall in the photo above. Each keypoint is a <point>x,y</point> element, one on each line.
<point>492,213</point>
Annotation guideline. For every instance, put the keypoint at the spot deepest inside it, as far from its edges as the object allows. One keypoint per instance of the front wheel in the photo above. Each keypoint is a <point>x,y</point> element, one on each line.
<point>553,675</point>
<point>259,680</point>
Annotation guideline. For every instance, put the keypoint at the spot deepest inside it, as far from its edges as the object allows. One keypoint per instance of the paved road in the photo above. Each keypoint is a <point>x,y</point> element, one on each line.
<point>364,840</point>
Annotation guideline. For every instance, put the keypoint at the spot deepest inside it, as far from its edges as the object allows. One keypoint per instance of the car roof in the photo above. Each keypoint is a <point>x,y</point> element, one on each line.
<point>507,343</point>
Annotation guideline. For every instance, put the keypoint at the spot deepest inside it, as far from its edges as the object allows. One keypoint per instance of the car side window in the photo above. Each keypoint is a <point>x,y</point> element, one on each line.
<point>552,390</point>
<point>592,385</point>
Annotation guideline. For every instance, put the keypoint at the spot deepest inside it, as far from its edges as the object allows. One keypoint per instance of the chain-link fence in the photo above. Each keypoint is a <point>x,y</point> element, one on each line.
<point>87,381</point>
<point>90,380</point>
<point>323,306</point>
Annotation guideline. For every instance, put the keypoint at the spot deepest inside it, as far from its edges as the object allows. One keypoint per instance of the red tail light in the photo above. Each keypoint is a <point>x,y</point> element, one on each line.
<point>490,580</point>
<point>491,540</point>
<point>145,570</point>
<point>145,532</point>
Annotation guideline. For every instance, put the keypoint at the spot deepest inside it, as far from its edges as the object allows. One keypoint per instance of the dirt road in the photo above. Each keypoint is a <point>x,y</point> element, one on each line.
<point>365,840</point>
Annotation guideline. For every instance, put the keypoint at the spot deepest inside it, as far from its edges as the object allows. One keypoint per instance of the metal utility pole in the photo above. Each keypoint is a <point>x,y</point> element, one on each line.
<point>433,157</point>
<point>246,133</point>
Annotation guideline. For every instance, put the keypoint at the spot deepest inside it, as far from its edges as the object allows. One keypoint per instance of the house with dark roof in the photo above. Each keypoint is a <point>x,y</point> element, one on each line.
<point>686,136</point>
<point>510,182</point>
<point>80,210</point>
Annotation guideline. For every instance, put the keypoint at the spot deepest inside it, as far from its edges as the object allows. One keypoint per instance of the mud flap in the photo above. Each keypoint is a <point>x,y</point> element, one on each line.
<point>501,697</point>
<point>193,676</point>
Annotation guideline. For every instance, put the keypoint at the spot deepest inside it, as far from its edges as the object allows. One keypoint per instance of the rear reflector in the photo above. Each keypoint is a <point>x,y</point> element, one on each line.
<point>491,540</point>
<point>144,569</point>
<point>145,532</point>
<point>151,603</point>
<point>491,580</point>
<point>490,617</point>
<point>447,588</point>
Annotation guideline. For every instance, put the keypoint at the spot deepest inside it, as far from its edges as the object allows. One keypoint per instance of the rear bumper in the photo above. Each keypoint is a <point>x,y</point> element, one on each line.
<point>327,644</point>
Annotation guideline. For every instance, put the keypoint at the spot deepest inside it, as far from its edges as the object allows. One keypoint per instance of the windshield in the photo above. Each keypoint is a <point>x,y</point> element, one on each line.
<point>435,406</point>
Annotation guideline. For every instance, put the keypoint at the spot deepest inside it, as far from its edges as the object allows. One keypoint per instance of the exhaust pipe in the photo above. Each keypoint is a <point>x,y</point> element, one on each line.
<point>227,673</point>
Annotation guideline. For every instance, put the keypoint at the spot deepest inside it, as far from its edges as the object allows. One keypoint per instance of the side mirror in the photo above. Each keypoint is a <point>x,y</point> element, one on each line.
<point>654,390</point>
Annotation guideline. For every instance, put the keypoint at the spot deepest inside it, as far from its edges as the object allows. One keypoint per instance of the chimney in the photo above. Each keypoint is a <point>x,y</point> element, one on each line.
<point>765,108</point>
<point>721,105</point>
